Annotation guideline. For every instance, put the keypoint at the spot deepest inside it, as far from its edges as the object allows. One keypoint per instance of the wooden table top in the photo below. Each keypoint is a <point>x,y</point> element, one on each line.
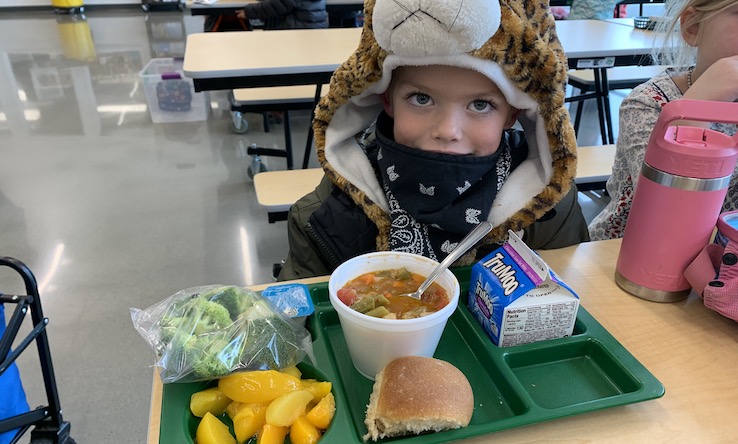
<point>305,51</point>
<point>278,190</point>
<point>690,349</point>
<point>594,163</point>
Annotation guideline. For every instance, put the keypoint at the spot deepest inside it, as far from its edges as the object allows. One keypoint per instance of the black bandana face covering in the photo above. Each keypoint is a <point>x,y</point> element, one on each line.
<point>435,199</point>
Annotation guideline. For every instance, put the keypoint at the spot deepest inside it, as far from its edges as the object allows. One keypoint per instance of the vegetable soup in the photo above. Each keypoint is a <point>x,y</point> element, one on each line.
<point>378,294</point>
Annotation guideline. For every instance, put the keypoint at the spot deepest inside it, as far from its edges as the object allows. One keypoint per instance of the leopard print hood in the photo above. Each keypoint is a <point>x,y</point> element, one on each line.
<point>512,42</point>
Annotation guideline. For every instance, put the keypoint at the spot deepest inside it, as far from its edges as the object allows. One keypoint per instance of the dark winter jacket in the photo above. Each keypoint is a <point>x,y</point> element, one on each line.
<point>289,14</point>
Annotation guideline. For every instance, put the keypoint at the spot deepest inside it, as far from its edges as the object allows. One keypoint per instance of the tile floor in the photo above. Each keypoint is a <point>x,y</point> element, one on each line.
<point>111,211</point>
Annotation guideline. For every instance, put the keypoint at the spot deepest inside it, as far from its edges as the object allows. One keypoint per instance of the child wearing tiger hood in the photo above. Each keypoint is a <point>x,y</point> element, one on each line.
<point>416,142</point>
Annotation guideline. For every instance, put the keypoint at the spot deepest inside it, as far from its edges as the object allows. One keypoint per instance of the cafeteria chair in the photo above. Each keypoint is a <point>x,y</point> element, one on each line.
<point>48,425</point>
<point>276,98</point>
<point>590,85</point>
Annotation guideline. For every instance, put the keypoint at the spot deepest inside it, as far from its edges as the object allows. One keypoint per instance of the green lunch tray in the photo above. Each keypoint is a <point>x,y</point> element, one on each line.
<point>513,386</point>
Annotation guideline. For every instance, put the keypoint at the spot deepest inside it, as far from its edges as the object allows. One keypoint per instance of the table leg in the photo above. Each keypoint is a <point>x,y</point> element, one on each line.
<point>309,142</point>
<point>606,103</point>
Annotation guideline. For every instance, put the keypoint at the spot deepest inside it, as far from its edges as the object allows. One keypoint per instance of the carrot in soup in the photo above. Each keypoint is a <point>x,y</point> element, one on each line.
<point>367,278</point>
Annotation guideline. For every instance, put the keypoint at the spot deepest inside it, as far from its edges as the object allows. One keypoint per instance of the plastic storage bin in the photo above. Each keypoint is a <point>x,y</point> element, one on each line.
<point>171,96</point>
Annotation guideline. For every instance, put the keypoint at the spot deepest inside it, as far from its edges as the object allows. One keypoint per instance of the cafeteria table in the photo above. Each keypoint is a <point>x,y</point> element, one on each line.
<point>689,348</point>
<point>230,60</point>
<point>306,56</point>
<point>625,21</point>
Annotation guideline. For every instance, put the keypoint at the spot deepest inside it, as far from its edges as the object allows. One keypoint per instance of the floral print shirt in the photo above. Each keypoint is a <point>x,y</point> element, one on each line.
<point>592,9</point>
<point>638,114</point>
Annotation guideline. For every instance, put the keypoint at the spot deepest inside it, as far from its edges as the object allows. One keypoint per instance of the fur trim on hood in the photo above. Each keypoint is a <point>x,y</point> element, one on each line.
<point>512,42</point>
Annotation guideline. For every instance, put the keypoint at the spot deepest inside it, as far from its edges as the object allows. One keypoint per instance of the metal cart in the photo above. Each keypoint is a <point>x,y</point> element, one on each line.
<point>46,420</point>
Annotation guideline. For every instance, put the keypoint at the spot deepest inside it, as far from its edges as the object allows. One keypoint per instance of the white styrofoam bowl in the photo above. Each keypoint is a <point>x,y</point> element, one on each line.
<point>374,342</point>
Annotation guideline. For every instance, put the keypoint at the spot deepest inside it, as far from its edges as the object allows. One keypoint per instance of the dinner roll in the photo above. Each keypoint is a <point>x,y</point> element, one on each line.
<point>414,394</point>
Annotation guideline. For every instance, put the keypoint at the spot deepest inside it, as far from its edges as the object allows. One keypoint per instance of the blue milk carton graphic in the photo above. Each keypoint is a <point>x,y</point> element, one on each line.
<point>518,299</point>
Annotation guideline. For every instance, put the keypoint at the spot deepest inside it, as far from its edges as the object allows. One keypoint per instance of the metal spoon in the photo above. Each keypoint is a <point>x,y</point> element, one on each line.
<point>469,241</point>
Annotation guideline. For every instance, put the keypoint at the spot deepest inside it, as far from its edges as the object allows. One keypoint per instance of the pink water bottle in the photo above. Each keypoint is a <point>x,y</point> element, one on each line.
<point>677,201</point>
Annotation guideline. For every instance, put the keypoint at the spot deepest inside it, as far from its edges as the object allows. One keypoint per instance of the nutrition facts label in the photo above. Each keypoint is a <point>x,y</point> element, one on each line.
<point>537,323</point>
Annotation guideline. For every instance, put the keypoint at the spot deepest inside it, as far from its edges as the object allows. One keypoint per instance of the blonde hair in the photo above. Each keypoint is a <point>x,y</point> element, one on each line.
<point>675,51</point>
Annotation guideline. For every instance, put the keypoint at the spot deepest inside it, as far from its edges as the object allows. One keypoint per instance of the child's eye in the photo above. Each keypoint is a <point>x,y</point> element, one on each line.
<point>482,106</point>
<point>420,99</point>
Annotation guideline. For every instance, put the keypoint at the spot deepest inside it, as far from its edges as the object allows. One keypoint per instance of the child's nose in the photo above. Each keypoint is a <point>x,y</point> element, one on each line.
<point>447,126</point>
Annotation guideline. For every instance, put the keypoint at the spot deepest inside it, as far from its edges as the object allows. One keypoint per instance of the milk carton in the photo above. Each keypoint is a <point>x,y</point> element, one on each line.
<point>517,299</point>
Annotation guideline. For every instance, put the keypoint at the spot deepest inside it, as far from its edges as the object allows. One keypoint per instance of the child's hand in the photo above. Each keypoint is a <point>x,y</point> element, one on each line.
<point>719,82</point>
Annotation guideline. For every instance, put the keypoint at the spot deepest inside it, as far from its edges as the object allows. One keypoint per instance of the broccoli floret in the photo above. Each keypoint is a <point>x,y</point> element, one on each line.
<point>234,299</point>
<point>166,333</point>
<point>210,316</point>
<point>183,351</point>
<point>220,356</point>
<point>196,316</point>
<point>168,324</point>
<point>176,319</point>
<point>207,356</point>
<point>272,340</point>
<point>192,332</point>
<point>261,309</point>
<point>209,368</point>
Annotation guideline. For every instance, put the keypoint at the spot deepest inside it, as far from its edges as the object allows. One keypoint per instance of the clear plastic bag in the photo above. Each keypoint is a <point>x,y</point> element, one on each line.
<point>208,332</point>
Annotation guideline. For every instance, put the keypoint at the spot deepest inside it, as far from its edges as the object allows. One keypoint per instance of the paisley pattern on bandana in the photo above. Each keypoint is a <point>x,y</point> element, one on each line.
<point>435,199</point>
